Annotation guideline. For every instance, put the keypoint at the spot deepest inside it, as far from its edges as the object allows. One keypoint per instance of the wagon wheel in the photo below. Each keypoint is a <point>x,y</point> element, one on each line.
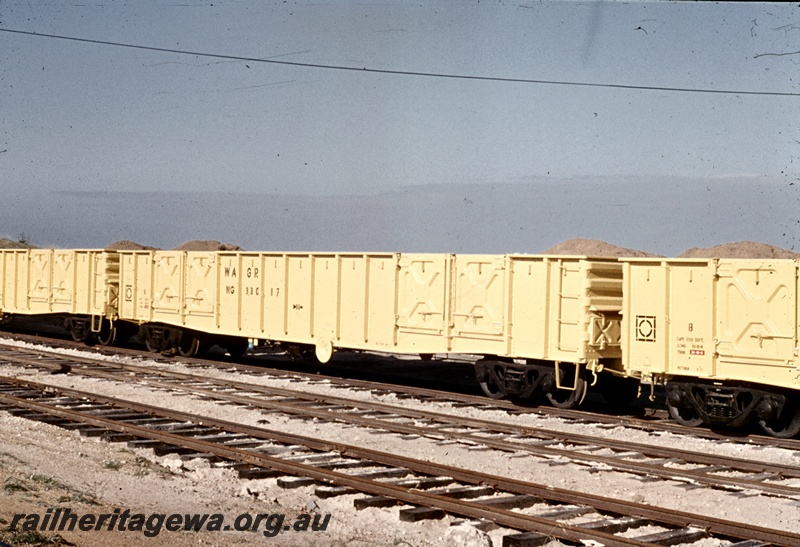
<point>685,415</point>
<point>569,398</point>
<point>492,386</point>
<point>78,329</point>
<point>785,426</point>
<point>155,343</point>
<point>108,333</point>
<point>188,344</point>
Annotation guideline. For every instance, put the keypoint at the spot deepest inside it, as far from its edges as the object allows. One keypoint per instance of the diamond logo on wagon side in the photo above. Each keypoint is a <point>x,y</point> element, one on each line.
<point>645,328</point>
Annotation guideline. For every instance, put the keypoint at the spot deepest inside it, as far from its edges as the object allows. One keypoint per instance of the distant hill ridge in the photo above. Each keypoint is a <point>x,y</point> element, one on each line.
<point>575,246</point>
<point>593,247</point>
<point>6,243</point>
<point>740,249</point>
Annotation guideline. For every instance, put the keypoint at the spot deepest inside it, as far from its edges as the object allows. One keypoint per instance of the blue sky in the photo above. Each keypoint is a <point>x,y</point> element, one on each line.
<point>81,116</point>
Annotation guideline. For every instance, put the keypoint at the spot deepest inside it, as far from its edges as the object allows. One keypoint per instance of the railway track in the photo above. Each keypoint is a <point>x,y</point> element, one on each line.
<point>656,420</point>
<point>599,452</point>
<point>540,513</point>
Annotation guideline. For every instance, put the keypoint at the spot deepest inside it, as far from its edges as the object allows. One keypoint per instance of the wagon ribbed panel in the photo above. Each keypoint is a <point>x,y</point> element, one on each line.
<point>757,321</point>
<point>523,306</point>
<point>58,281</point>
<point>423,287</point>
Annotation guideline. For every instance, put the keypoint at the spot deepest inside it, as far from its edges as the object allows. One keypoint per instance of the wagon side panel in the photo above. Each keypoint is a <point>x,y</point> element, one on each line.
<point>326,298</point>
<point>529,307</point>
<point>136,286</point>
<point>352,324</point>
<point>363,314</point>
<point>229,293</point>
<point>15,281</point>
<point>168,282</point>
<point>40,277</point>
<point>4,259</point>
<point>645,326</point>
<point>379,312</point>
<point>690,312</point>
<point>757,321</point>
<point>479,307</point>
<point>566,313</point>
<point>199,291</point>
<point>423,297</point>
<point>299,290</point>
<point>66,276</point>
<point>275,302</point>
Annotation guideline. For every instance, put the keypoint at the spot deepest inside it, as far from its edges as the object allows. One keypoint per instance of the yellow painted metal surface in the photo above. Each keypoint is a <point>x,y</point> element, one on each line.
<point>300,298</point>
<point>169,287</point>
<point>423,300</point>
<point>14,277</point>
<point>47,281</point>
<point>537,307</point>
<point>136,285</point>
<point>757,335</point>
<point>726,319</point>
<point>557,308</point>
<point>719,319</point>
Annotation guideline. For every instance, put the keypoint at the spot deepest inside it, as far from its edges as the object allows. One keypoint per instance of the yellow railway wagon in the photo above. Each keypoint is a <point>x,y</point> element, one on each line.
<point>722,334</point>
<point>304,300</point>
<point>531,316</point>
<point>81,285</point>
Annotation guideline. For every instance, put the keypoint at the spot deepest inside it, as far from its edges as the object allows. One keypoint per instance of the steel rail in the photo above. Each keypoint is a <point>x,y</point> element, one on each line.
<point>712,525</point>
<point>583,416</point>
<point>408,495</point>
<point>697,476</point>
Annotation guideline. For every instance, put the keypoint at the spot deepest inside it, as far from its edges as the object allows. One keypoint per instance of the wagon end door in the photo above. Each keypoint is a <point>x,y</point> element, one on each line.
<point>757,321</point>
